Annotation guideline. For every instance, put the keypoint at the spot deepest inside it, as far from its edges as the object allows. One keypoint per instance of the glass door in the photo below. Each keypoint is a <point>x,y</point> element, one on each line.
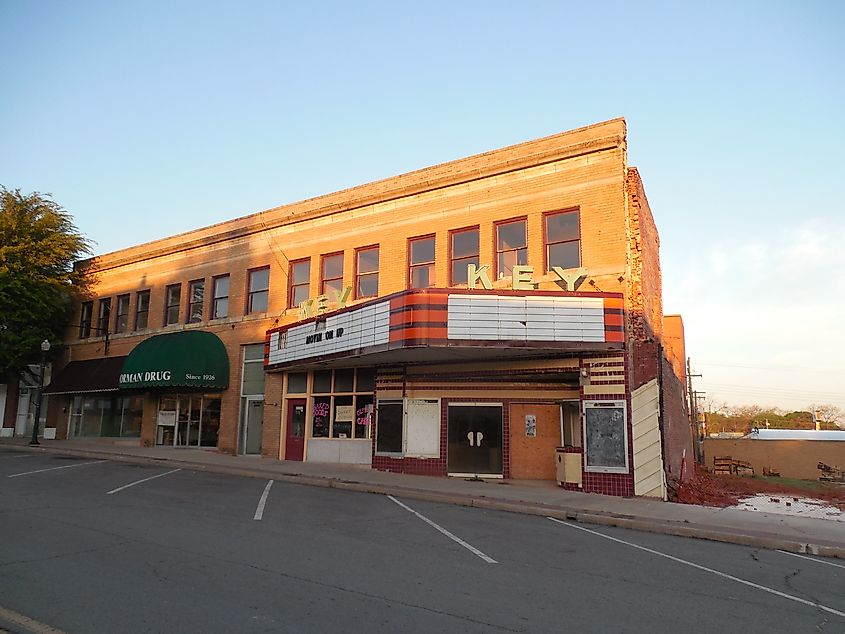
<point>475,439</point>
<point>295,435</point>
<point>254,425</point>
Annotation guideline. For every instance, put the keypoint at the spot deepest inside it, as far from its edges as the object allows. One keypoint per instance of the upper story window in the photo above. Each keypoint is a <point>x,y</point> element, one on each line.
<point>299,282</point>
<point>259,290</point>
<point>103,315</point>
<point>196,301</point>
<point>85,315</point>
<point>366,272</point>
<point>172,302</point>
<point>463,251</point>
<point>421,262</point>
<point>121,322</point>
<point>563,240</point>
<point>331,274</point>
<point>220,303</point>
<point>511,247</point>
<point>142,310</point>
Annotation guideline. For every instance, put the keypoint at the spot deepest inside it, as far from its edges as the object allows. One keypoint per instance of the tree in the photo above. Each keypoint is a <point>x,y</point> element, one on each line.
<point>38,280</point>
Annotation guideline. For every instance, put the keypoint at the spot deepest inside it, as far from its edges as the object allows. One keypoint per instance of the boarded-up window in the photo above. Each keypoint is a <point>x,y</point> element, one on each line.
<point>606,447</point>
<point>423,435</point>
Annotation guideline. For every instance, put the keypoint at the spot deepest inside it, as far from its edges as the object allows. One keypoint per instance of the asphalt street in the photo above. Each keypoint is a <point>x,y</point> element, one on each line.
<point>104,546</point>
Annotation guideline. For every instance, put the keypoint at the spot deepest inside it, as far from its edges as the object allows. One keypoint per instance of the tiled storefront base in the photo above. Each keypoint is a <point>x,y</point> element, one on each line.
<point>413,466</point>
<point>609,483</point>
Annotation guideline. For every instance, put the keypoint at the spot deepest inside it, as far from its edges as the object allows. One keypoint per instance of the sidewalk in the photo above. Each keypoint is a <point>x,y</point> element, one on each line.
<point>762,530</point>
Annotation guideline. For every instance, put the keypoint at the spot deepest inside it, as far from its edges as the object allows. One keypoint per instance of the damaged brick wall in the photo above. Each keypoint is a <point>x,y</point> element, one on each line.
<point>645,292</point>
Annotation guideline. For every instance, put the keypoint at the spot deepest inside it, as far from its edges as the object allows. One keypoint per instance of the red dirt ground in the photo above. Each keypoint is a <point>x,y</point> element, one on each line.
<point>725,490</point>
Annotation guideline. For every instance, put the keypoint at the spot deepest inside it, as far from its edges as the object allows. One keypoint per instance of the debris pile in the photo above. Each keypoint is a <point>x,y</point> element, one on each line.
<point>710,489</point>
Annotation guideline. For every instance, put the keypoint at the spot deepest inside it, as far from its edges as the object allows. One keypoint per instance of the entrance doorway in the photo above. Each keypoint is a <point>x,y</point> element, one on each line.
<point>253,425</point>
<point>295,435</point>
<point>475,439</point>
<point>535,434</point>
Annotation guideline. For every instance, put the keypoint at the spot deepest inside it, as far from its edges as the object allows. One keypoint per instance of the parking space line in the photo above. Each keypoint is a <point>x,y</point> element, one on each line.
<point>67,466</point>
<point>132,484</point>
<point>818,561</point>
<point>454,538</point>
<point>259,511</point>
<point>705,569</point>
<point>31,625</point>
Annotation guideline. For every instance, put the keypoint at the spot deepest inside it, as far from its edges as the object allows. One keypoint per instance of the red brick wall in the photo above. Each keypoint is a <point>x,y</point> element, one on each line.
<point>645,298</point>
<point>674,345</point>
<point>677,433</point>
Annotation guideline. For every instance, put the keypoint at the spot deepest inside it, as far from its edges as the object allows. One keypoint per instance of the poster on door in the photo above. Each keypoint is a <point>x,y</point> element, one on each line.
<point>530,426</point>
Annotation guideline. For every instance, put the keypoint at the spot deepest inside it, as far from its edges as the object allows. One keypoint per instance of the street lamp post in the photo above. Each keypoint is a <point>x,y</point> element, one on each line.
<point>45,348</point>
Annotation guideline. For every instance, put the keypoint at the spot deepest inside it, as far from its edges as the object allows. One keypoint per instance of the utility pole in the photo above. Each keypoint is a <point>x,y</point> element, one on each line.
<point>693,412</point>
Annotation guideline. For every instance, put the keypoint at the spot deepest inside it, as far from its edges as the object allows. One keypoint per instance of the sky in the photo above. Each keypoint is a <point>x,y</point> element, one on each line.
<point>147,119</point>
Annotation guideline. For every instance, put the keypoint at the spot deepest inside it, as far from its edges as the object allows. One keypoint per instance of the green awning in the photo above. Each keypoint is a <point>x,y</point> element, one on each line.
<point>192,359</point>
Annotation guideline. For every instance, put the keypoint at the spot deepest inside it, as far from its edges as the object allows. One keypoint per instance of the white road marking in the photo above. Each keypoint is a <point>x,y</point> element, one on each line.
<point>704,568</point>
<point>818,561</point>
<point>132,484</point>
<point>67,466</point>
<point>27,455</point>
<point>455,538</point>
<point>259,511</point>
<point>31,625</point>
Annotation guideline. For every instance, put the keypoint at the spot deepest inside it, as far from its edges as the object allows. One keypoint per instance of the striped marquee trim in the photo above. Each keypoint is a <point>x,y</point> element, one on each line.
<point>562,321</point>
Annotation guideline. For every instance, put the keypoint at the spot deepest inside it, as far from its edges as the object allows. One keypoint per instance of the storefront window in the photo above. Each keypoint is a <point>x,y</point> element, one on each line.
<point>109,416</point>
<point>188,420</point>
<point>344,417</point>
<point>320,420</point>
<point>323,382</point>
<point>363,415</point>
<point>389,436</point>
<point>344,406</point>
<point>297,382</point>
<point>343,380</point>
<point>210,421</point>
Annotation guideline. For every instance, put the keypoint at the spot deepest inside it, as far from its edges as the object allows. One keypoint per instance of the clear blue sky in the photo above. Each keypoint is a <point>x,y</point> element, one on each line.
<point>150,118</point>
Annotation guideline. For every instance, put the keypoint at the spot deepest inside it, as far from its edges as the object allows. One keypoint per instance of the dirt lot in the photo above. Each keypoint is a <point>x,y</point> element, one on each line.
<point>725,490</point>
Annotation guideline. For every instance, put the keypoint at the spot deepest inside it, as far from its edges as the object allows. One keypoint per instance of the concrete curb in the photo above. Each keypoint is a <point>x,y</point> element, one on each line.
<point>646,524</point>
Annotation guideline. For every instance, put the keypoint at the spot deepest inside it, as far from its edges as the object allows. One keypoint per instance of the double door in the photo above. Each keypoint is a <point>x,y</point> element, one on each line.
<point>475,439</point>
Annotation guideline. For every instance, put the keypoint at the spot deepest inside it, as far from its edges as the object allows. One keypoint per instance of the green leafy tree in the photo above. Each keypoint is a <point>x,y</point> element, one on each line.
<point>38,280</point>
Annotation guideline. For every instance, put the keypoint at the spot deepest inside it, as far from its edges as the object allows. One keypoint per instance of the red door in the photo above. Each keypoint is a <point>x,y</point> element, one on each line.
<point>295,439</point>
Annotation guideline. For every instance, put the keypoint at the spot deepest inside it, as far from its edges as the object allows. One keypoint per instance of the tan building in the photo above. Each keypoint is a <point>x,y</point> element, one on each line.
<point>467,318</point>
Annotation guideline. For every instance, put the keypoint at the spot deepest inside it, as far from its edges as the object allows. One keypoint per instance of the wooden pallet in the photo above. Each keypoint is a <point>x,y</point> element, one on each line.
<point>726,465</point>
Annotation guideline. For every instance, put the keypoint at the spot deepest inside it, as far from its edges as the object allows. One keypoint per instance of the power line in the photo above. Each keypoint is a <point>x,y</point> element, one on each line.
<point>838,370</point>
<point>732,387</point>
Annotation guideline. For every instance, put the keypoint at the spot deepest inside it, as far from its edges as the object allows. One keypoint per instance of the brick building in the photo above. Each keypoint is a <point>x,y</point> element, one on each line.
<point>467,318</point>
